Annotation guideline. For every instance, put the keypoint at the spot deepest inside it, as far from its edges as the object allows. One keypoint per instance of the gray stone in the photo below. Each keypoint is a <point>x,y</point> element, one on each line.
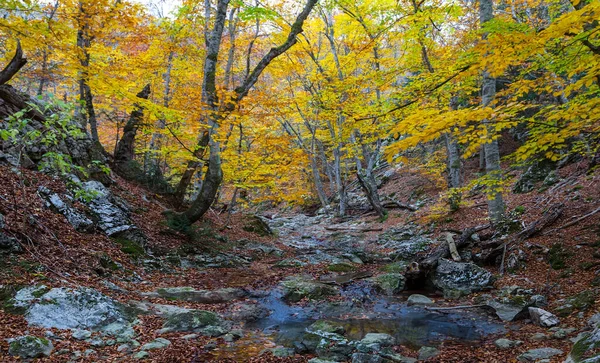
<point>81,334</point>
<point>158,343</point>
<point>289,263</point>
<point>141,355</point>
<point>247,312</point>
<point>382,339</point>
<point>75,218</point>
<point>319,360</point>
<point>538,337</point>
<point>9,245</point>
<point>390,284</point>
<point>459,277</point>
<point>281,352</point>
<point>296,288</point>
<point>366,358</point>
<point>543,318</point>
<point>192,321</point>
<point>585,345</point>
<point>201,296</point>
<point>417,299</point>
<point>405,242</point>
<point>535,355</point>
<point>30,347</point>
<point>97,342</point>
<point>123,333</point>
<point>124,348</point>
<point>326,327</point>
<point>428,352</point>
<point>503,343</point>
<point>65,308</point>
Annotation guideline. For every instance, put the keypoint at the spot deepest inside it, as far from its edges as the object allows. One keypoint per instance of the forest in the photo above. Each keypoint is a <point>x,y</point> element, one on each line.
<point>300,181</point>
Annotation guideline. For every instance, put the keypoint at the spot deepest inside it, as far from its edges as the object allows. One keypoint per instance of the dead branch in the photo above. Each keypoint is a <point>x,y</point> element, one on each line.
<point>15,64</point>
<point>573,222</point>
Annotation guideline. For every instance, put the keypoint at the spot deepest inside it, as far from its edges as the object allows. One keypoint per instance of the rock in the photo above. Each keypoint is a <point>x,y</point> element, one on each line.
<point>366,358</point>
<point>213,331</point>
<point>341,266</point>
<point>97,342</point>
<point>326,326</point>
<point>536,172</point>
<point>141,355</point>
<point>585,347</point>
<point>281,352</point>
<point>289,263</point>
<point>381,339</point>
<point>296,288</point>
<point>514,307</point>
<point>503,343</point>
<point>579,302</point>
<point>81,334</point>
<point>339,350</point>
<point>111,213</point>
<point>390,284</point>
<point>9,245</point>
<point>247,312</point>
<point>428,352</point>
<point>192,321</point>
<point>538,337</point>
<point>75,218</point>
<point>158,343</point>
<point>416,299</point>
<point>405,242</point>
<point>124,348</point>
<point>66,308</point>
<point>391,356</point>
<point>123,333</point>
<point>318,360</point>
<point>459,278</point>
<point>201,296</point>
<point>561,333</point>
<point>535,355</point>
<point>30,347</point>
<point>543,318</point>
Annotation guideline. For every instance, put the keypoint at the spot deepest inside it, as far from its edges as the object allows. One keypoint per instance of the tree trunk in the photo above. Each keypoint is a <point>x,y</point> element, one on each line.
<point>125,151</point>
<point>490,148</point>
<point>16,63</point>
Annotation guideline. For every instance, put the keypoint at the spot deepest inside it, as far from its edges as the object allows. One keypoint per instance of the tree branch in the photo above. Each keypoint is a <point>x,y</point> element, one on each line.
<point>16,63</point>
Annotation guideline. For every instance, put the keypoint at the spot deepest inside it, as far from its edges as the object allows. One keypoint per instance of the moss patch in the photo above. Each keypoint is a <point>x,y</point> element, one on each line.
<point>130,247</point>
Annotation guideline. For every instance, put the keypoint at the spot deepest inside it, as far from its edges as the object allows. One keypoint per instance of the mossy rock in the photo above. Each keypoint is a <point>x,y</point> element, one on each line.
<point>298,288</point>
<point>396,267</point>
<point>131,248</point>
<point>327,327</point>
<point>391,283</point>
<point>557,256</point>
<point>192,321</point>
<point>341,267</point>
<point>30,347</point>
<point>581,301</point>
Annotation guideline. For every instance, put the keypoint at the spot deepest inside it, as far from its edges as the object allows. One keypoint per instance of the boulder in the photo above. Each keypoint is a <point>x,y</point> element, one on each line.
<point>30,347</point>
<point>374,342</point>
<point>585,347</point>
<point>158,343</point>
<point>405,242</point>
<point>289,263</point>
<point>192,321</point>
<point>324,326</point>
<point>78,220</point>
<point>296,288</point>
<point>535,355</point>
<point>9,245</point>
<point>579,302</point>
<point>417,299</point>
<point>247,312</point>
<point>428,352</point>
<point>366,358</point>
<point>391,283</point>
<point>65,308</point>
<point>459,278</point>
<point>543,318</point>
<point>111,214</point>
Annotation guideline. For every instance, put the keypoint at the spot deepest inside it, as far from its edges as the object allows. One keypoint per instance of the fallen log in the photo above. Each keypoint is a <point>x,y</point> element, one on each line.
<point>442,251</point>
<point>573,222</point>
<point>392,203</point>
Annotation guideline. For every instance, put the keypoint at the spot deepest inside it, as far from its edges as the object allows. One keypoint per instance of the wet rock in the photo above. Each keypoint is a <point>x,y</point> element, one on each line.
<point>296,288</point>
<point>503,343</point>
<point>158,343</point>
<point>30,347</point>
<point>66,308</point>
<point>78,220</point>
<point>417,299</point>
<point>459,278</point>
<point>534,355</point>
<point>373,342</point>
<point>366,358</point>
<point>201,296</point>
<point>326,327</point>
<point>390,284</point>
<point>428,352</point>
<point>543,318</point>
<point>247,312</point>
<point>192,321</point>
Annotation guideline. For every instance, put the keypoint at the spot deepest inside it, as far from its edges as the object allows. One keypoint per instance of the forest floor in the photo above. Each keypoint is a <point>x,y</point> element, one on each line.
<point>57,256</point>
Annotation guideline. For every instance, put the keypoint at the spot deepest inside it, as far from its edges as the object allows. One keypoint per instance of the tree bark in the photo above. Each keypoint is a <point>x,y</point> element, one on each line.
<point>124,153</point>
<point>16,63</point>
<point>214,174</point>
<point>491,149</point>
